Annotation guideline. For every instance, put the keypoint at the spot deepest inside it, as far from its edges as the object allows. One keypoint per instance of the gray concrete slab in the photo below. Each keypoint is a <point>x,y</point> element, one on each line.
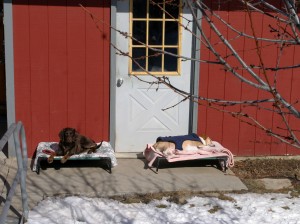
<point>129,177</point>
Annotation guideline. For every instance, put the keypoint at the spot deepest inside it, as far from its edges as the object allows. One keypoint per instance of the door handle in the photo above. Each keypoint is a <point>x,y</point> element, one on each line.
<point>119,82</point>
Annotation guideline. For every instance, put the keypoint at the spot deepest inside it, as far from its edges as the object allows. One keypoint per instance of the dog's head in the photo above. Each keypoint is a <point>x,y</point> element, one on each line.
<point>67,135</point>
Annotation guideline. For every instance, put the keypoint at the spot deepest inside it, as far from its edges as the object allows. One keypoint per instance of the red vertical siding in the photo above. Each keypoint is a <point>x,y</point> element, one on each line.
<point>215,82</point>
<point>22,66</point>
<point>206,122</point>
<point>58,80</point>
<point>76,65</point>
<point>246,134</point>
<point>294,89</point>
<point>231,126</point>
<point>263,142</point>
<point>97,60</point>
<point>61,68</point>
<point>39,69</point>
<point>204,80</point>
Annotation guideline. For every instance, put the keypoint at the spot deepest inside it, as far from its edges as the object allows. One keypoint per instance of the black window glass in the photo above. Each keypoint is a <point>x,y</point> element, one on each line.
<point>155,33</point>
<point>154,61</point>
<point>138,59</point>
<point>156,9</point>
<point>155,25</point>
<point>139,9</point>
<point>171,33</point>
<point>172,9</point>
<point>170,64</point>
<point>139,32</point>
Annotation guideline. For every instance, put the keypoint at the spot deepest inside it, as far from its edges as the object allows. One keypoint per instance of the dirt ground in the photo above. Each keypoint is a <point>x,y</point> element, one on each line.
<point>250,172</point>
<point>267,168</point>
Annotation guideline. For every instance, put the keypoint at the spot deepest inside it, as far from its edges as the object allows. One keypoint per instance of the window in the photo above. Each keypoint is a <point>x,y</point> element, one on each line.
<point>155,28</point>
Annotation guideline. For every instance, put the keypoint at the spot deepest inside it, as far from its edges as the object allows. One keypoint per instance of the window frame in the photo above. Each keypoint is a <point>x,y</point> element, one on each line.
<point>162,46</point>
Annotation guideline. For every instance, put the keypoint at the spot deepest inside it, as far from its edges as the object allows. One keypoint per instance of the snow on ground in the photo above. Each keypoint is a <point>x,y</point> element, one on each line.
<point>245,208</point>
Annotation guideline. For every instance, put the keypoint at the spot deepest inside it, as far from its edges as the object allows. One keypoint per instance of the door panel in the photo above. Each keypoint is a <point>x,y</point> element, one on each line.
<point>140,117</point>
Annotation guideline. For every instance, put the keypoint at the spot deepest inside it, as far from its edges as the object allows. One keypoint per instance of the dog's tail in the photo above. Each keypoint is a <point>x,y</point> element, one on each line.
<point>98,145</point>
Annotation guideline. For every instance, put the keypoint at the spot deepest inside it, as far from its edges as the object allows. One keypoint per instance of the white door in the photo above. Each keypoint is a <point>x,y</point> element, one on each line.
<point>140,118</point>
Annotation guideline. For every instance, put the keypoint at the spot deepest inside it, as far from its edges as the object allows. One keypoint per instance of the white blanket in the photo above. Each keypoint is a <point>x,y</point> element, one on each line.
<point>44,149</point>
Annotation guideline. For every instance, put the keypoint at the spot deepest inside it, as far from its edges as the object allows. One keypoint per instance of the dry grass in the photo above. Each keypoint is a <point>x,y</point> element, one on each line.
<point>271,168</point>
<point>252,169</point>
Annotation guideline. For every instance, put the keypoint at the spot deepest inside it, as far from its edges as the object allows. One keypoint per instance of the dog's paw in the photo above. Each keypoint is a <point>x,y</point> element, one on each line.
<point>91,151</point>
<point>63,160</point>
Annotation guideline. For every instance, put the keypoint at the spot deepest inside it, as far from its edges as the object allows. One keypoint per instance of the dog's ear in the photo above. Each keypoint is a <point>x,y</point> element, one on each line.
<point>62,135</point>
<point>74,134</point>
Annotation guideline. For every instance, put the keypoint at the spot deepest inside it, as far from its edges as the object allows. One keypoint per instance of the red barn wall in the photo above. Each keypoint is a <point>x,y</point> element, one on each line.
<point>61,65</point>
<point>215,82</point>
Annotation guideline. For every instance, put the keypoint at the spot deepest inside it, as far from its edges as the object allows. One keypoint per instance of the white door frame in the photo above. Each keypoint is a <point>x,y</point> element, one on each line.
<point>113,80</point>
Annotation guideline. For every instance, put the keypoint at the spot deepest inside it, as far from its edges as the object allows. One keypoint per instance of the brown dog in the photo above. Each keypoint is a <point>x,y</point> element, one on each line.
<point>72,143</point>
<point>168,148</point>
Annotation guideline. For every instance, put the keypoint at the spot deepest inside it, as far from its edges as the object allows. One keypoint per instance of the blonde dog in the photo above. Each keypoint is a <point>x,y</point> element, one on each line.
<point>188,146</point>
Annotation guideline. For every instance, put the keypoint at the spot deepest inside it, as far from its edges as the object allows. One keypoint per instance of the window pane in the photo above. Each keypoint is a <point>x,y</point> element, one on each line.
<point>139,31</point>
<point>154,61</point>
<point>171,34</point>
<point>152,24</point>
<point>139,9</point>
<point>155,11</point>
<point>155,33</point>
<point>138,55</point>
<point>172,8</point>
<point>170,61</point>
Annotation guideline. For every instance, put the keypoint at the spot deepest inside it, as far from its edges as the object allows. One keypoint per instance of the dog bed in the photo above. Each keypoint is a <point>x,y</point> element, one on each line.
<point>215,151</point>
<point>104,152</point>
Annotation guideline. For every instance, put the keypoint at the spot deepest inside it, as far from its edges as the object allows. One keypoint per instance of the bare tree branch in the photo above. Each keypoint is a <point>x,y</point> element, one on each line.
<point>259,77</point>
